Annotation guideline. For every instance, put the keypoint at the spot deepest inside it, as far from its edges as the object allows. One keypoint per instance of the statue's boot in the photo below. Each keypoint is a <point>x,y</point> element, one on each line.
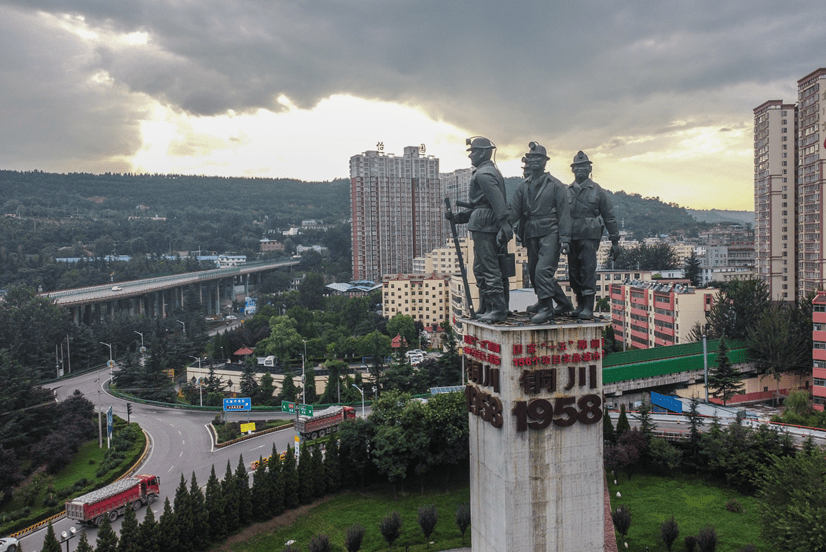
<point>563,304</point>
<point>580,304</point>
<point>545,313</point>
<point>587,312</point>
<point>533,308</point>
<point>483,305</point>
<point>497,311</point>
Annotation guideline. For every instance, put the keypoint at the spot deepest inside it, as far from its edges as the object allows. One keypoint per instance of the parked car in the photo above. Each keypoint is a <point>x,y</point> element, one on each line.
<point>117,288</point>
<point>230,317</point>
<point>9,544</point>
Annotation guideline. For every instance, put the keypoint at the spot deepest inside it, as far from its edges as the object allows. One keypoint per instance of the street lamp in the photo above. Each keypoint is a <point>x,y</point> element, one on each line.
<point>200,377</point>
<point>143,349</point>
<point>182,324</point>
<point>362,398</point>
<point>67,536</point>
<point>111,362</point>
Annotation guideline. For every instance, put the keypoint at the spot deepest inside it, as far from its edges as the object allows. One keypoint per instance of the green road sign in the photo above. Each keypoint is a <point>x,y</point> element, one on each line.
<point>287,406</point>
<point>305,409</point>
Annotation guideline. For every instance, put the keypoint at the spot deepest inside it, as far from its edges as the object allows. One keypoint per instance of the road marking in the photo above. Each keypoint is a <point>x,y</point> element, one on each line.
<point>170,469</point>
<point>184,442</point>
<point>182,453</point>
<point>256,448</point>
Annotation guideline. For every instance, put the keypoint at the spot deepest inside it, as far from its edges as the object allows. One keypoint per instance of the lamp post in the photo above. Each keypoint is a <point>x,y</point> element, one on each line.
<point>111,362</point>
<point>143,349</point>
<point>200,377</point>
<point>362,398</point>
<point>66,536</point>
<point>303,376</point>
<point>182,324</point>
<point>705,364</point>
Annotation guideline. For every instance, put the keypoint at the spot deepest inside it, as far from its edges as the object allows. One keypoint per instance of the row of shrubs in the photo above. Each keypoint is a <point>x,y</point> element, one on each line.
<point>704,541</point>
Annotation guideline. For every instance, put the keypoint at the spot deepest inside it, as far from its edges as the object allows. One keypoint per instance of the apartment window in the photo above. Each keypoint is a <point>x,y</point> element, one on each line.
<point>819,308</point>
<point>784,130</point>
<point>784,145</point>
<point>819,382</point>
<point>785,163</point>
<point>783,138</point>
<point>817,327</point>
<point>819,345</point>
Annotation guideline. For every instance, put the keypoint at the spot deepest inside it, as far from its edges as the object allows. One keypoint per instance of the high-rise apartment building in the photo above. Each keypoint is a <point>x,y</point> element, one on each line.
<point>397,209</point>
<point>455,185</point>
<point>774,197</point>
<point>811,129</point>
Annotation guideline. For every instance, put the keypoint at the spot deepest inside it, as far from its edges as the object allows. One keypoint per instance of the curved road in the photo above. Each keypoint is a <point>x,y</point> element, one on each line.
<point>180,444</point>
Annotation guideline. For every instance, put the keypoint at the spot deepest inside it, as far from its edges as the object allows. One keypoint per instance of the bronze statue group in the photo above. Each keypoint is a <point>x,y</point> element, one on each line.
<point>550,218</point>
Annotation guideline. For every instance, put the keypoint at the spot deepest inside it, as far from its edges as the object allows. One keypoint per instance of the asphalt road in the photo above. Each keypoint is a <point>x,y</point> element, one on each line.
<point>180,445</point>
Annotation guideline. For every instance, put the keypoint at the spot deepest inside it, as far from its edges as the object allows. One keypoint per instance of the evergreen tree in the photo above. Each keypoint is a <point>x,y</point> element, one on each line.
<point>319,479</point>
<point>168,528</point>
<point>288,389</point>
<point>83,544</point>
<point>311,396</point>
<point>260,495</point>
<point>276,483</point>
<point>647,425</point>
<point>249,385</point>
<point>129,533</point>
<point>150,534</point>
<point>450,363</point>
<point>50,544</point>
<point>622,422</point>
<point>230,492</point>
<point>215,508</point>
<point>608,434</point>
<point>242,486</point>
<point>692,269</point>
<point>184,517</point>
<point>332,466</point>
<point>291,482</point>
<point>107,540</point>
<point>724,380</point>
<point>695,422</point>
<point>267,390</point>
<point>306,479</point>
<point>200,516</point>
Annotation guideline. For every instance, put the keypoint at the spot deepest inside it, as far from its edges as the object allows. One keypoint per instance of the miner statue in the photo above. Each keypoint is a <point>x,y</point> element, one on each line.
<point>591,213</point>
<point>487,220</point>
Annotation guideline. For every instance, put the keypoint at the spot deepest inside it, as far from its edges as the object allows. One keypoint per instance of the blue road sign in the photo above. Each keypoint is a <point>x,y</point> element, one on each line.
<point>241,404</point>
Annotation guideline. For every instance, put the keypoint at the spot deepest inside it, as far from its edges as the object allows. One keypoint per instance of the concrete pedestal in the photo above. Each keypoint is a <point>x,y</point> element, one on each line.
<point>534,399</point>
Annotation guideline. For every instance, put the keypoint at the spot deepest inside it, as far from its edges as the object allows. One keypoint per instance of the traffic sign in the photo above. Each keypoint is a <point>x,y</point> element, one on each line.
<point>110,363</point>
<point>241,404</point>
<point>288,407</point>
<point>305,410</point>
<point>247,427</point>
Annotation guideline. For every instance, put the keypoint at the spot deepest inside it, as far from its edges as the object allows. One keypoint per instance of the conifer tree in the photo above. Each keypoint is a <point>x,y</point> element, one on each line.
<point>291,483</point>
<point>608,434</point>
<point>724,380</point>
<point>168,528</point>
<point>83,544</point>
<point>107,540</point>
<point>50,544</point>
<point>306,481</point>
<point>129,533</point>
<point>200,516</point>
<point>332,466</point>
<point>695,421</point>
<point>150,534</point>
<point>622,422</point>
<point>215,508</point>
<point>319,479</point>
<point>183,516</point>
<point>260,493</point>
<point>276,483</point>
<point>242,486</point>
<point>230,491</point>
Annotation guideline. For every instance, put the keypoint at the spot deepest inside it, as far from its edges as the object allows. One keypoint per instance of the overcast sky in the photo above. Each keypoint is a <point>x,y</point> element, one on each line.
<point>659,94</point>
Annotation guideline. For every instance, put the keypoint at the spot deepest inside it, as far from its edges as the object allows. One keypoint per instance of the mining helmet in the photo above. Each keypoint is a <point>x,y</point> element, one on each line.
<point>537,149</point>
<point>479,142</point>
<point>580,158</point>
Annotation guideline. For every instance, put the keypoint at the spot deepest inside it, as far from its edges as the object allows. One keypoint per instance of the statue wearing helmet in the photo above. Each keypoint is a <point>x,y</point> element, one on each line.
<point>488,224</point>
<point>540,207</point>
<point>591,213</point>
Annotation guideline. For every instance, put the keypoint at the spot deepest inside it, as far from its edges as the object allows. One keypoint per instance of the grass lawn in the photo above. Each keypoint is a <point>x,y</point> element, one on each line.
<point>694,504</point>
<point>333,517</point>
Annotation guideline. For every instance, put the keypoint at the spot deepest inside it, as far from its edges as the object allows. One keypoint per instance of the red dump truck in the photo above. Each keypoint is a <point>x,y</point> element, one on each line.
<point>324,421</point>
<point>113,500</point>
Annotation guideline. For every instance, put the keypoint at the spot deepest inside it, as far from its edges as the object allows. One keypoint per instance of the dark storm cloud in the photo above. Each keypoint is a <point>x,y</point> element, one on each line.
<point>599,70</point>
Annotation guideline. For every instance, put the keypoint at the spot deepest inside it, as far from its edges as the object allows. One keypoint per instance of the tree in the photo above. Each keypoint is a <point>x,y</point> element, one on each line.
<point>284,341</point>
<point>320,543</point>
<point>789,507</point>
<point>669,531</point>
<point>707,539</point>
<point>129,533</point>
<point>428,516</point>
<point>355,436</point>
<point>244,495</point>
<point>267,389</point>
<point>695,422</point>
<point>83,544</point>
<point>622,519</point>
<point>353,537</point>
<point>50,543</point>
<point>249,385</point>
<point>168,528</point>
<point>391,527</point>
<point>151,539</point>
<point>291,481</point>
<point>289,392</point>
<point>200,516</point>
<point>724,379</point>
<point>107,540</point>
<point>215,508</point>
<point>778,341</point>
<point>402,324</point>
<point>450,363</point>
<point>463,518</point>
<point>737,308</point>
<point>306,477</point>
<point>183,516</point>
<point>277,483</point>
<point>229,490</point>
<point>692,271</point>
<point>664,454</point>
<point>608,434</point>
<point>319,475</point>
<point>311,291</point>
<point>622,423</point>
<point>647,426</point>
<point>332,466</point>
<point>260,492</point>
<point>659,256</point>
